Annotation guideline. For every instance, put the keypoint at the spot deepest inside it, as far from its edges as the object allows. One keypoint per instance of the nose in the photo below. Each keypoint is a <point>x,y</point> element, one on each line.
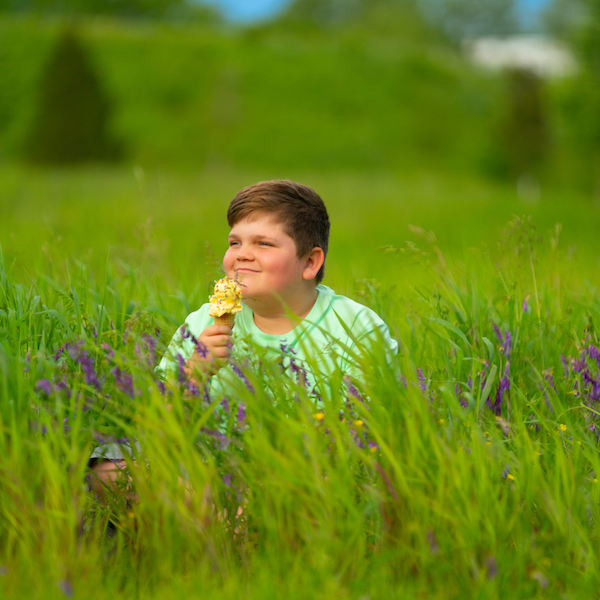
<point>244,252</point>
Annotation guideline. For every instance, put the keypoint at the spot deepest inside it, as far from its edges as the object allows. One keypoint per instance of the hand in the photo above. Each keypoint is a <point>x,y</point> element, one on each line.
<point>217,340</point>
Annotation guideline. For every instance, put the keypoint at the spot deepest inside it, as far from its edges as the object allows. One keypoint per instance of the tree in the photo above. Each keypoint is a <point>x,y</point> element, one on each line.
<point>176,9</point>
<point>71,121</point>
<point>379,16</point>
<point>578,23</point>
<point>524,131</point>
<point>467,19</point>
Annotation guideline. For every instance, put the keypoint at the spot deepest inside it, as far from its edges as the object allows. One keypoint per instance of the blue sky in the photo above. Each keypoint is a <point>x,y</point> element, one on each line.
<point>253,10</point>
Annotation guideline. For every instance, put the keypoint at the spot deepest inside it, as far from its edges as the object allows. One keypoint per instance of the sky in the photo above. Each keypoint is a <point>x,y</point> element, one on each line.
<point>245,11</point>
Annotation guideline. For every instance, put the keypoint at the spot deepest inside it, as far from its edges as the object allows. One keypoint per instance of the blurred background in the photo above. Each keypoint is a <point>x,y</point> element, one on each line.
<point>126,126</point>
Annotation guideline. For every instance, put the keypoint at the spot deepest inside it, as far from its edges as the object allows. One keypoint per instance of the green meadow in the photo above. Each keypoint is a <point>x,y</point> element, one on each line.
<point>468,469</point>
<point>471,470</point>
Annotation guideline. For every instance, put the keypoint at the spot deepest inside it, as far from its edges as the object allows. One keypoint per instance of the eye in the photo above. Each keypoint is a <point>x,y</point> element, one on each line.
<point>264,244</point>
<point>233,243</point>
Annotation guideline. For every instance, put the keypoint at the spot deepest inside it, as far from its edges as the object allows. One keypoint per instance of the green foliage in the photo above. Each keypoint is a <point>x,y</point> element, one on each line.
<point>399,19</point>
<point>266,98</point>
<point>71,123</point>
<point>578,108</point>
<point>524,130</point>
<point>169,9</point>
<point>411,487</point>
<point>465,19</point>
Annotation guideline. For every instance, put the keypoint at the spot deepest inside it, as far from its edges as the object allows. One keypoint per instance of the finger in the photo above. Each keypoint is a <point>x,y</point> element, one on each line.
<point>217,330</point>
<point>221,340</point>
<point>220,352</point>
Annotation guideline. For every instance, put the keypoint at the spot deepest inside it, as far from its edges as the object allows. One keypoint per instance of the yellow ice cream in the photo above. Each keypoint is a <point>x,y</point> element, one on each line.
<point>226,298</point>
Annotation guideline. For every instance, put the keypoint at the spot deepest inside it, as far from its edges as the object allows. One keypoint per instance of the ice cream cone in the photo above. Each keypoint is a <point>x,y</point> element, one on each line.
<point>225,302</point>
<point>225,319</point>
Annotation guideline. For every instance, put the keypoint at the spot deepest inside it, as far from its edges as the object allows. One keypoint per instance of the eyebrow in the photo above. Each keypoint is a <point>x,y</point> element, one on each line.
<point>253,237</point>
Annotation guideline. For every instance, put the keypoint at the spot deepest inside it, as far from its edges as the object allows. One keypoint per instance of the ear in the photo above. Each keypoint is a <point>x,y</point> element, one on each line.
<point>313,263</point>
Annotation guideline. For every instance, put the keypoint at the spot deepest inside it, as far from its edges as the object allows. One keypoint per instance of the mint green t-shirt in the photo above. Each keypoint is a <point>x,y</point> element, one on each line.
<point>328,338</point>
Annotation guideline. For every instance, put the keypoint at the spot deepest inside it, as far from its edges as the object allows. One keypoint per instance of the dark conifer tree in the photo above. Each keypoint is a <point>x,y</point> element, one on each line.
<point>70,124</point>
<point>524,131</point>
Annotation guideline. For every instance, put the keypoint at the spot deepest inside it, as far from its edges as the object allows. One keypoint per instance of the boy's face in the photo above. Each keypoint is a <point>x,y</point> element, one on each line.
<point>263,259</point>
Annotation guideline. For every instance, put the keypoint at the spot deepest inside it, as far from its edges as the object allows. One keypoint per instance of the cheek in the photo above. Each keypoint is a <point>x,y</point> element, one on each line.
<point>228,259</point>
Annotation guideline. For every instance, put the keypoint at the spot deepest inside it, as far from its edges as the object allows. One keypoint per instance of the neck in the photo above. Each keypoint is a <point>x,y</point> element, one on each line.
<point>277,318</point>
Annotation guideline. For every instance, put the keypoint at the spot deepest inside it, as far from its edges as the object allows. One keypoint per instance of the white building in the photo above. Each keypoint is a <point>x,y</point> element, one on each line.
<point>542,55</point>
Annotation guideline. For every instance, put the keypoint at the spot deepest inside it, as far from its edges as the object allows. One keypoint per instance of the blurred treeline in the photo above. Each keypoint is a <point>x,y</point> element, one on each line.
<point>327,85</point>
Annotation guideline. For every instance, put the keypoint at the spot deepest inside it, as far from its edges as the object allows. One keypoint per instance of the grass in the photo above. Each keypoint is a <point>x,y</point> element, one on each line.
<point>456,498</point>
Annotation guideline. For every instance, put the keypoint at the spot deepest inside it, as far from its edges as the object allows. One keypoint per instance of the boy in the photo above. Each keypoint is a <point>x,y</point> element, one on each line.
<point>277,248</point>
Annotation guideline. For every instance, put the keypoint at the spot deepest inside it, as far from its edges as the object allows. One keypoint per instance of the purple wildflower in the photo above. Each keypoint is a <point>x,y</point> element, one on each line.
<point>108,350</point>
<point>357,439</point>
<point>496,405</point>
<point>60,351</point>
<point>525,305</point>
<point>220,438</point>
<point>434,547</point>
<point>193,389</point>
<point>66,587</point>
<point>492,567</point>
<point>100,438</point>
<point>161,386</point>
<point>507,345</point>
<point>565,365</point>
<point>352,389</point>
<point>201,348</point>
<point>505,340</point>
<point>593,352</point>
<point>300,372</point>
<point>316,396</point>
<point>550,379</point>
<point>181,369</point>
<point>402,381</point>
<point>286,348</point>
<point>124,381</point>
<point>225,404</point>
<point>227,480</point>
<point>79,355</point>
<point>186,333</point>
<point>372,446</point>
<point>45,386</point>
<point>422,381</point>
<point>498,333</point>
<point>241,415</point>
<point>243,377</point>
<point>150,347</point>
<point>484,375</point>
<point>462,400</point>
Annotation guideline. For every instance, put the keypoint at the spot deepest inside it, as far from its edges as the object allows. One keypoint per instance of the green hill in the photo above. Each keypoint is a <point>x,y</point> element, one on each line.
<point>192,96</point>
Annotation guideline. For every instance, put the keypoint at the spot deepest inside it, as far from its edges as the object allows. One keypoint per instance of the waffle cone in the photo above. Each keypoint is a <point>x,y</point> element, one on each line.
<point>225,319</point>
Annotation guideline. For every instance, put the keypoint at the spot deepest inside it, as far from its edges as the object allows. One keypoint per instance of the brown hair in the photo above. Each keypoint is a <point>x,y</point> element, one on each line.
<point>298,208</point>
